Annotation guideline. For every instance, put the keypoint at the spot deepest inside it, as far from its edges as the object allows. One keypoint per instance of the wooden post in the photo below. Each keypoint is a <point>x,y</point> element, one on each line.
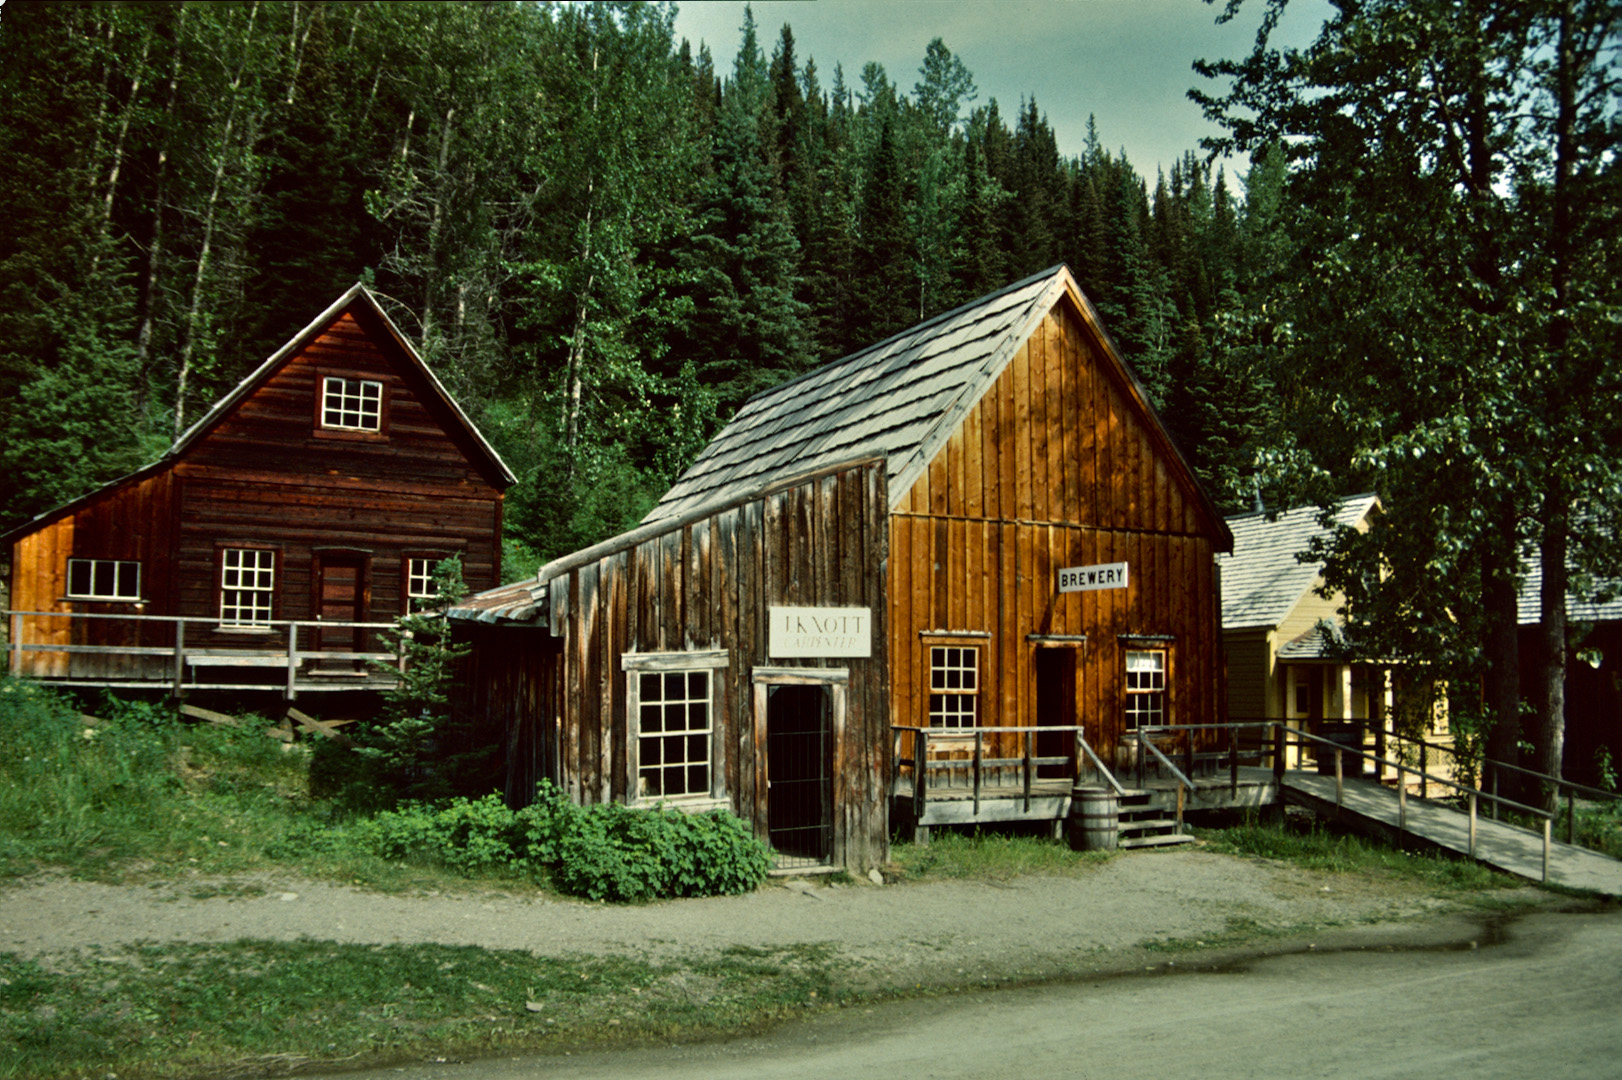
<point>16,649</point>
<point>1028,738</point>
<point>1424,792</point>
<point>292,660</point>
<point>920,771</point>
<point>180,655</point>
<point>1495,793</point>
<point>1340,783</point>
<point>1278,757</point>
<point>1233,763</point>
<point>1402,796</point>
<point>1472,798</point>
<point>979,745</point>
<point>1571,815</point>
<point>1548,823</point>
<point>1180,790</point>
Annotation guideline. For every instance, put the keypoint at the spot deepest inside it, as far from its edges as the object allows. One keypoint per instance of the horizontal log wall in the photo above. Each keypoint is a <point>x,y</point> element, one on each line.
<point>708,585</point>
<point>268,475</point>
<point>1055,466</point>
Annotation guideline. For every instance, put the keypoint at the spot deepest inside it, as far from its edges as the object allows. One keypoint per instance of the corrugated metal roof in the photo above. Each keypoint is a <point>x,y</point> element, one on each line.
<point>1262,580</point>
<point>891,399</point>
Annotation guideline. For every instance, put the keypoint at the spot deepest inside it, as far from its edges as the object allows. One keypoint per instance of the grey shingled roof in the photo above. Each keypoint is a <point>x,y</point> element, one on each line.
<point>1579,608</point>
<point>899,399</point>
<point>1262,580</point>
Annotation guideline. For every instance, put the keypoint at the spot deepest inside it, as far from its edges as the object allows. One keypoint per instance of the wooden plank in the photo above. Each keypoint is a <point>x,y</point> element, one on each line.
<point>320,727</point>
<point>1041,434</point>
<point>974,465</point>
<point>1019,434</point>
<point>1070,412</point>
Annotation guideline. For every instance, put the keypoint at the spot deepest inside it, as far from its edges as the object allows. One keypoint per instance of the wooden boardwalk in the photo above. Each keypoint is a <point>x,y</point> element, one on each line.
<point>1374,807</point>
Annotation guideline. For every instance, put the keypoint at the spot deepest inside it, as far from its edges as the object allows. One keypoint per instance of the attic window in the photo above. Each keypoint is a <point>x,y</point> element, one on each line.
<point>351,404</point>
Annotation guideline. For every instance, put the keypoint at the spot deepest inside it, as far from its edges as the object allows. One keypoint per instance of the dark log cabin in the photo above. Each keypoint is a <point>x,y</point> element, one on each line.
<point>1014,444</point>
<point>320,491</point>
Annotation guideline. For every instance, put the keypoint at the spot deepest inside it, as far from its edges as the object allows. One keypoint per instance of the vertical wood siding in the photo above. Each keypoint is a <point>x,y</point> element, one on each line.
<point>1054,466</point>
<point>705,586</point>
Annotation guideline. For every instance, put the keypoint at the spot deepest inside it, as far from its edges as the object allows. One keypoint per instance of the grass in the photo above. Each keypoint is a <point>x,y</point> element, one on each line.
<point>257,1007</point>
<point>1313,845</point>
<point>143,795</point>
<point>990,855</point>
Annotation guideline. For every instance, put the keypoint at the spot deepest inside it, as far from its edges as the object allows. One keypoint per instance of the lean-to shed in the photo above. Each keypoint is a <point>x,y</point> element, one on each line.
<point>989,494</point>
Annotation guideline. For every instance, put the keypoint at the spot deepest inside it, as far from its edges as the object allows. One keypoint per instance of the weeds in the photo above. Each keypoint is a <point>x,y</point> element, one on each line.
<point>1316,846</point>
<point>183,1010</point>
<point>993,856</point>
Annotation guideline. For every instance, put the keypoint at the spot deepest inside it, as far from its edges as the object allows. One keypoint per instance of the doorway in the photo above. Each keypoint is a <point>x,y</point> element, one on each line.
<point>340,597</point>
<point>799,774</point>
<point>1056,706</point>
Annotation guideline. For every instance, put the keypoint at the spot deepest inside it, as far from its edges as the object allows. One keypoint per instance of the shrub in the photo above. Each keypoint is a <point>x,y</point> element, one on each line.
<point>603,852</point>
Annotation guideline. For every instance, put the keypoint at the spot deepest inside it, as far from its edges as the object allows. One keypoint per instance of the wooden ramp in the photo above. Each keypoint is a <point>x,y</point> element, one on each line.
<point>1373,807</point>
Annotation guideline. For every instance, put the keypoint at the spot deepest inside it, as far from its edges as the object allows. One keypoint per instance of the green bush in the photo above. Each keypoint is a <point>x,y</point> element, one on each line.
<point>603,852</point>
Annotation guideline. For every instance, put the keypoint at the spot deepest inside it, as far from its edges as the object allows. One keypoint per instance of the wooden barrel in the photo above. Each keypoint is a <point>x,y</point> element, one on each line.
<point>1095,819</point>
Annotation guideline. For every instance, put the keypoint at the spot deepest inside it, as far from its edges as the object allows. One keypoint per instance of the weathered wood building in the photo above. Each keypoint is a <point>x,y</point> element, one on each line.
<point>937,486</point>
<point>317,495</point>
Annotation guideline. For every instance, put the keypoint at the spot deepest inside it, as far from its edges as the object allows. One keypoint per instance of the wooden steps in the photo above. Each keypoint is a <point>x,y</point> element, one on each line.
<point>1143,825</point>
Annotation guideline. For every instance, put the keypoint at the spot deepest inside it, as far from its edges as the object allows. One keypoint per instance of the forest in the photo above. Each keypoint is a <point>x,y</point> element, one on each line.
<point>603,246</point>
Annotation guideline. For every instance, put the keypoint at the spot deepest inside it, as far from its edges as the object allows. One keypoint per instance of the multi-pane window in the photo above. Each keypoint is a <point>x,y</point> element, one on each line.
<point>351,404</point>
<point>420,578</point>
<point>1145,688</point>
<point>104,579</point>
<point>954,685</point>
<point>673,751</point>
<point>247,586</point>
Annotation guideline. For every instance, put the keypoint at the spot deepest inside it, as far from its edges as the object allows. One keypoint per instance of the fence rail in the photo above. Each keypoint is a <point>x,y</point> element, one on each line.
<point>275,647</point>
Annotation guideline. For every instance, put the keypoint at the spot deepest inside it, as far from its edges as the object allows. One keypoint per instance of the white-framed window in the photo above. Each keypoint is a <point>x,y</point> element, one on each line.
<point>351,404</point>
<point>954,686</point>
<point>672,704</point>
<point>420,577</point>
<point>104,579</point>
<point>247,586</point>
<point>1145,688</point>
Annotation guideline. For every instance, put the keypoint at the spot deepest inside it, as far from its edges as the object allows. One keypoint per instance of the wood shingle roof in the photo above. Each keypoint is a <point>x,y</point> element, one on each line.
<point>1263,581</point>
<point>899,399</point>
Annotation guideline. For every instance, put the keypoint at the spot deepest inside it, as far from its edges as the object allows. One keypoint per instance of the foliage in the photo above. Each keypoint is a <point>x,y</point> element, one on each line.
<point>190,1010</point>
<point>132,782</point>
<point>419,747</point>
<point>993,855</point>
<point>1317,846</point>
<point>602,852</point>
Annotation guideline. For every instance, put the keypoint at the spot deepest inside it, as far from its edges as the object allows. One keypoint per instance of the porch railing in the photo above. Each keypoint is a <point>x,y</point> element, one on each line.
<point>972,742</point>
<point>279,650</point>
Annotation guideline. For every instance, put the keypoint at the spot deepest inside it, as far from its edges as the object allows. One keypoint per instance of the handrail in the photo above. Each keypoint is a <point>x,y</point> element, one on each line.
<point>1176,773</point>
<point>1098,763</point>
<point>978,763</point>
<point>1572,784</point>
<point>261,646</point>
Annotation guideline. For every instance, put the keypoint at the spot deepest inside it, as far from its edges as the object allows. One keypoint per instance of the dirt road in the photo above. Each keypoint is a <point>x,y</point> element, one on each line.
<point>1501,997</point>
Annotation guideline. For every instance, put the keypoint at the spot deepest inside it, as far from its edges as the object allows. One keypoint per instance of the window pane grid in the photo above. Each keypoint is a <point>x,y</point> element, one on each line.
<point>954,684</point>
<point>1145,689</point>
<point>104,579</point>
<point>673,756</point>
<point>352,404</point>
<point>247,586</point>
<point>420,579</point>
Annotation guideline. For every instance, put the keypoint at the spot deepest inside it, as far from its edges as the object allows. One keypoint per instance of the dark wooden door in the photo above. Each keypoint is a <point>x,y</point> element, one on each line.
<point>340,598</point>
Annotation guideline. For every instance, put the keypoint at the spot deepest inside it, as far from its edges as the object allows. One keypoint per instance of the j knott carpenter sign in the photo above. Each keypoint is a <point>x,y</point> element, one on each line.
<point>798,632</point>
<point>1088,578</point>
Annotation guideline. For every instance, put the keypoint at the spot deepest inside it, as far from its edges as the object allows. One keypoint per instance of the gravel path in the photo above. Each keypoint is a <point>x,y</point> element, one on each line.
<point>946,930</point>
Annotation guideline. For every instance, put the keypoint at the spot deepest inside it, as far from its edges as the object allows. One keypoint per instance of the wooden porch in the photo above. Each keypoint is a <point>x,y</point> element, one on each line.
<point>182,654</point>
<point>1001,774</point>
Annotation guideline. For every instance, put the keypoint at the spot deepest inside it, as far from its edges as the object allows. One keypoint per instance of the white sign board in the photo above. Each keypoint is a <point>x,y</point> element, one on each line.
<point>798,632</point>
<point>1091,578</point>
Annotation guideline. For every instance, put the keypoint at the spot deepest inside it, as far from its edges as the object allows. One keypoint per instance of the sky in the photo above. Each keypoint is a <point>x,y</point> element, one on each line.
<point>1127,62</point>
